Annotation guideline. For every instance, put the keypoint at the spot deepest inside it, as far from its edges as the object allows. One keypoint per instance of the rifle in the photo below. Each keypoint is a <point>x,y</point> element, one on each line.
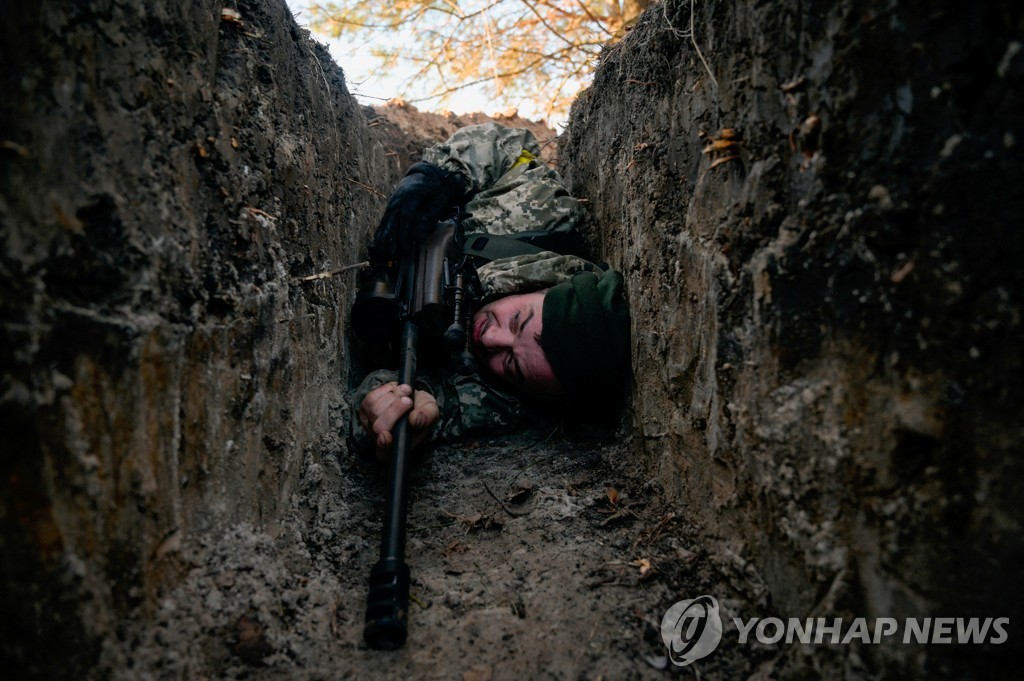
<point>414,296</point>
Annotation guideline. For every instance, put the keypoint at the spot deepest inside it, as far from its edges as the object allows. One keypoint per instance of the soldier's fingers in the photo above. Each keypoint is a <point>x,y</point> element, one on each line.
<point>387,420</point>
<point>426,412</point>
<point>377,400</point>
<point>376,395</point>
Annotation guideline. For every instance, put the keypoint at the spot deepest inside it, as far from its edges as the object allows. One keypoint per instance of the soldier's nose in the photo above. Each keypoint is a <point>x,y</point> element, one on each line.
<point>494,337</point>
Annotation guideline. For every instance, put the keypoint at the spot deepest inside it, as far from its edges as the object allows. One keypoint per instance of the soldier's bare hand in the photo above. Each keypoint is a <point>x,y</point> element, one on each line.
<point>384,405</point>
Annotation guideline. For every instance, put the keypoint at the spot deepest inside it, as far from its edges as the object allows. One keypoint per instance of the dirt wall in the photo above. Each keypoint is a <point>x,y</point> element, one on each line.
<point>816,206</point>
<point>169,177</point>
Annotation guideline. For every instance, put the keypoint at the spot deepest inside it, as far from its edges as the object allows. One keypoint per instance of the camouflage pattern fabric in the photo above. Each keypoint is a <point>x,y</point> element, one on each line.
<point>525,273</point>
<point>482,153</point>
<point>512,193</point>
<point>509,195</point>
<point>530,197</point>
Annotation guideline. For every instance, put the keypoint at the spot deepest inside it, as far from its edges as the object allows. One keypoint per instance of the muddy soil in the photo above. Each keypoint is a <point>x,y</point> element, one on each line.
<point>540,556</point>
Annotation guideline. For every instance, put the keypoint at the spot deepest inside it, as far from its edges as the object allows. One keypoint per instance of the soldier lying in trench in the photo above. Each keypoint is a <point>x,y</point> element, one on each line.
<point>552,328</point>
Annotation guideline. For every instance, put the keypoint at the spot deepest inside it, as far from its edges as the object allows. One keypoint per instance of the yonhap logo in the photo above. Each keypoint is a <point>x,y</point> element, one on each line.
<point>691,629</point>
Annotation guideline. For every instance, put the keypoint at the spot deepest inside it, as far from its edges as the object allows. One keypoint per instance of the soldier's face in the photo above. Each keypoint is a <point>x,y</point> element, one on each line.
<point>506,336</point>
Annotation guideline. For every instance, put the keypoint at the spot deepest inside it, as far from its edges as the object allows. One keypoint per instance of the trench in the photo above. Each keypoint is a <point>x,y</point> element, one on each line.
<point>817,216</point>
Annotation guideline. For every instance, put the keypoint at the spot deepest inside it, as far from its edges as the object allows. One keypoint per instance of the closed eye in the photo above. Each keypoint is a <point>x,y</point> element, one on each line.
<point>512,369</point>
<point>510,365</point>
<point>526,322</point>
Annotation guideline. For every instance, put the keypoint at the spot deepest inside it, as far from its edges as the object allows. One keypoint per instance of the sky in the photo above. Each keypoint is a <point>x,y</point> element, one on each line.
<point>372,86</point>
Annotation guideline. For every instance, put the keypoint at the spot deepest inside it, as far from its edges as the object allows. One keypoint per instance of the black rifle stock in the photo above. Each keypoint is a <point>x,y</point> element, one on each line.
<point>419,298</point>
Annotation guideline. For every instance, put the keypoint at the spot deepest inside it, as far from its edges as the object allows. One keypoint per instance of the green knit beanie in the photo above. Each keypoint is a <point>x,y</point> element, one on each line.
<point>586,332</point>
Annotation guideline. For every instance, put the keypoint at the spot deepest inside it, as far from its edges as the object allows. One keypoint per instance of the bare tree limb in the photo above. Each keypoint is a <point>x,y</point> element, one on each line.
<point>532,48</point>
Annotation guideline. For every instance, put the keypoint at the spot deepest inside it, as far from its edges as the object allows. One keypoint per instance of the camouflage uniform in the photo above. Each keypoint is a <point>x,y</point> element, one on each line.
<point>512,191</point>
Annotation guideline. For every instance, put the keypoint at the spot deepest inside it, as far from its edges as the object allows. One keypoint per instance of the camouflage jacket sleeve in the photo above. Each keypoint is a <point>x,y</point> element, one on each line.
<point>530,272</point>
<point>512,190</point>
<point>469,407</point>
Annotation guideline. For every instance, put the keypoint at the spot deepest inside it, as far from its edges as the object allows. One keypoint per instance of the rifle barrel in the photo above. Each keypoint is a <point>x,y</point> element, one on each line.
<point>388,602</point>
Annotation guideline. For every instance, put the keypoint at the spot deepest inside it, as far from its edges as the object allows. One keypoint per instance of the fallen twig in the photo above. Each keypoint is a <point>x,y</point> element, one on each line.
<point>427,528</point>
<point>651,535</point>
<point>502,503</point>
<point>367,187</point>
<point>331,273</point>
<point>256,211</point>
<point>538,460</point>
<point>477,521</point>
